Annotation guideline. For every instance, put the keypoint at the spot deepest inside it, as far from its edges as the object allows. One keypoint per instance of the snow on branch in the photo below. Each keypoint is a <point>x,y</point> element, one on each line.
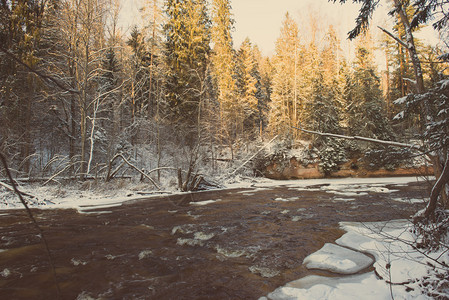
<point>410,80</point>
<point>401,100</point>
<point>397,39</point>
<point>361,138</point>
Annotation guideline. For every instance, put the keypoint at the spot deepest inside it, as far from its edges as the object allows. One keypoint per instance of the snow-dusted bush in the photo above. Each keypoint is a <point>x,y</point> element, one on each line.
<point>332,154</point>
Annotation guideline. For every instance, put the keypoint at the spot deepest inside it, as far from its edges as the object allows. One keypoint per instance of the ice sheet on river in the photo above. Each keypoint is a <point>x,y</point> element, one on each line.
<point>337,259</point>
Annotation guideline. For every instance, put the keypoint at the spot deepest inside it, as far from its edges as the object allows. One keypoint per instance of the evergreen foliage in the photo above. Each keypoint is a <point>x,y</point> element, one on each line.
<point>250,88</point>
<point>285,106</point>
<point>224,71</point>
<point>187,35</point>
<point>366,112</point>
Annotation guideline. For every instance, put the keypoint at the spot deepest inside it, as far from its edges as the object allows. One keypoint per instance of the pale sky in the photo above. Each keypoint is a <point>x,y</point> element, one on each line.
<point>261,20</point>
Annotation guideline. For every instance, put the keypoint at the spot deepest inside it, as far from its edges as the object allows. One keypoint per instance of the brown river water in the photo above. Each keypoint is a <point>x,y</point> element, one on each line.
<point>241,247</point>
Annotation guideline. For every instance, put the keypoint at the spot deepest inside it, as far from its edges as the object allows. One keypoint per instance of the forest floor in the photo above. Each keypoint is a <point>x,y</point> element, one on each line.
<point>248,240</point>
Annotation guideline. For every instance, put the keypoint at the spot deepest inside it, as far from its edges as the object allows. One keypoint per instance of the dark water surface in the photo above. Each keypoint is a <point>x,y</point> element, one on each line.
<point>241,247</point>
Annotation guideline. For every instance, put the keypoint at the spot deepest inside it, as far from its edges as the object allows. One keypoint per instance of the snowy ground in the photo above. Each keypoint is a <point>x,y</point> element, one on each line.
<point>109,195</point>
<point>390,244</point>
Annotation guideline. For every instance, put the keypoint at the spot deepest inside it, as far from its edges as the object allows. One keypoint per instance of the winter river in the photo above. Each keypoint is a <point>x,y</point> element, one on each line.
<point>238,243</point>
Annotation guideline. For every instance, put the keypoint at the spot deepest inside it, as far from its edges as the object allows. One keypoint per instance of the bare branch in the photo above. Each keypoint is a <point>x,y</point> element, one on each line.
<point>46,78</point>
<point>136,168</point>
<point>254,155</point>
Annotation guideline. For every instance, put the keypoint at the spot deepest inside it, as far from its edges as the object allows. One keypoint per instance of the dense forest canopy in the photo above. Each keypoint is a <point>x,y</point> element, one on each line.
<point>75,91</point>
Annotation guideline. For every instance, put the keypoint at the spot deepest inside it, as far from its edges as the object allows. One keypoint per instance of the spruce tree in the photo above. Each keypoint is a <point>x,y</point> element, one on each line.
<point>367,115</point>
<point>224,71</point>
<point>249,85</point>
<point>285,106</point>
<point>187,35</point>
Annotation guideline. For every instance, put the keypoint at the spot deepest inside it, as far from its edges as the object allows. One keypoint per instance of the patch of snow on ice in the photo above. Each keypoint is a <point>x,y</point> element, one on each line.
<point>337,259</point>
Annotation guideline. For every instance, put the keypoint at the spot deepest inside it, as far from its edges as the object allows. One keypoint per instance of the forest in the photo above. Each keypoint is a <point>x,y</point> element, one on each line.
<point>176,98</point>
<point>175,106</point>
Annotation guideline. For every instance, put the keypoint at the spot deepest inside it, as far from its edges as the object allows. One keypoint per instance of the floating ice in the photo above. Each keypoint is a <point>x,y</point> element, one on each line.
<point>199,239</point>
<point>296,218</point>
<point>184,229</point>
<point>230,253</point>
<point>144,254</point>
<point>203,236</point>
<point>77,262</point>
<point>343,199</point>
<point>206,202</point>
<point>5,273</point>
<point>264,272</point>
<point>286,199</point>
<point>408,200</point>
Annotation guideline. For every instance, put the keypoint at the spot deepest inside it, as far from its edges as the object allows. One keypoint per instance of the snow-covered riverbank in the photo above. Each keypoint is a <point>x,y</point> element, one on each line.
<point>80,197</point>
<point>400,270</point>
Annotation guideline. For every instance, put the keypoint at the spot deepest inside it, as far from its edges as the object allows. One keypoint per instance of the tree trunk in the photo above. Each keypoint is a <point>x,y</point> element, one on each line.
<point>427,115</point>
<point>411,47</point>
<point>437,190</point>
